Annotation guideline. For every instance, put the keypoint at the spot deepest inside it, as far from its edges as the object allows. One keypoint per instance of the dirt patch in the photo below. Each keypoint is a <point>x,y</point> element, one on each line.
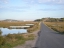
<point>30,43</point>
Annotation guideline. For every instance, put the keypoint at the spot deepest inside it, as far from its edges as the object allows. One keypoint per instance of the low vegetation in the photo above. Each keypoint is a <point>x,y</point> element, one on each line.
<point>11,40</point>
<point>57,26</point>
<point>31,29</point>
<point>34,28</point>
<point>7,24</point>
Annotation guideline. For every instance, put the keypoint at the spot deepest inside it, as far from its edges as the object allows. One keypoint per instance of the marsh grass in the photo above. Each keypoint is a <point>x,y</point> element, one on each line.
<point>34,28</point>
<point>16,39</point>
<point>7,24</point>
<point>11,40</point>
<point>57,26</point>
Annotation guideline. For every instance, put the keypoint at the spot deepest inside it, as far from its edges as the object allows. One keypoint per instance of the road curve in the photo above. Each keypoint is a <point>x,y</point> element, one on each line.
<point>49,38</point>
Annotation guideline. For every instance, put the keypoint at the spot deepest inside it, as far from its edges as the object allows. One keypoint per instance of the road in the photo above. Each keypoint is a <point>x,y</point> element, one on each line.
<point>49,38</point>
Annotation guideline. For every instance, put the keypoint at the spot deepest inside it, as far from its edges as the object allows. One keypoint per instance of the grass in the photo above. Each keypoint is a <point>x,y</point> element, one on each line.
<point>29,36</point>
<point>12,40</point>
<point>57,26</point>
<point>34,28</point>
<point>7,24</point>
<point>16,39</point>
<point>31,29</point>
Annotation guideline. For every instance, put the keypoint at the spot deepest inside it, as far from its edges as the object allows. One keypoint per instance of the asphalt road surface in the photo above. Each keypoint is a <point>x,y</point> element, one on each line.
<point>49,38</point>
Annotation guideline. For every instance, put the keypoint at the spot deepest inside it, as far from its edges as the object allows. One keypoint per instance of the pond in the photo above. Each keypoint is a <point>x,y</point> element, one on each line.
<point>6,31</point>
<point>19,26</point>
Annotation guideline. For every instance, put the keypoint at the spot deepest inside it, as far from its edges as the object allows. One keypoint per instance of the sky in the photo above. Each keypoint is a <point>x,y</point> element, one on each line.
<point>31,9</point>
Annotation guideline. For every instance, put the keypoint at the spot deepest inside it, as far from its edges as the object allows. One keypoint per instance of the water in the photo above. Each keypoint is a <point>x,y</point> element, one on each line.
<point>19,26</point>
<point>6,31</point>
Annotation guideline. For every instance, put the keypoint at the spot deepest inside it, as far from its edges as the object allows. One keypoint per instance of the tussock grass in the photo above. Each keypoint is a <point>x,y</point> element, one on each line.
<point>57,26</point>
<point>12,40</point>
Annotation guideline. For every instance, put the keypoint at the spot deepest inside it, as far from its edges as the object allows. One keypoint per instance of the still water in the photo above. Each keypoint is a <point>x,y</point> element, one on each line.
<point>6,31</point>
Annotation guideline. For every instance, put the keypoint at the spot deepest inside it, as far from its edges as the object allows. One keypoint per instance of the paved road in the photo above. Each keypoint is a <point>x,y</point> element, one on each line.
<point>49,38</point>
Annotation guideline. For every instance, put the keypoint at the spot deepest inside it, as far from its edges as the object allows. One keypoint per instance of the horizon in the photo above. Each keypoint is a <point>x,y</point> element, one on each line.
<point>27,20</point>
<point>31,9</point>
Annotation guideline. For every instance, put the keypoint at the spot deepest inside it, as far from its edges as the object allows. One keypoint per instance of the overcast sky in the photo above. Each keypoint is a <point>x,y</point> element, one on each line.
<point>31,9</point>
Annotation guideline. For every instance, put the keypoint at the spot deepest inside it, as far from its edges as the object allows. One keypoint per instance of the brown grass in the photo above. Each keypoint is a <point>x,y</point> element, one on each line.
<point>7,24</point>
<point>58,26</point>
<point>33,28</point>
<point>16,39</point>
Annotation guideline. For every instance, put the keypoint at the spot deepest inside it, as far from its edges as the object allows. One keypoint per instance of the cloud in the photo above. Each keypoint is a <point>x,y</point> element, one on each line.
<point>46,1</point>
<point>20,7</point>
<point>1,7</point>
<point>39,1</point>
<point>14,8</point>
<point>52,1</point>
<point>50,9</point>
<point>4,1</point>
<point>43,1</point>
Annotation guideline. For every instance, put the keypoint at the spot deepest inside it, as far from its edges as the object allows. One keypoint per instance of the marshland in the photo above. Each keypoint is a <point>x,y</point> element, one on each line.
<point>15,38</point>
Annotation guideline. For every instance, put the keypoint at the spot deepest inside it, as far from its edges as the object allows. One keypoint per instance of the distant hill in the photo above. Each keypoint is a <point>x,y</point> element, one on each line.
<point>50,20</point>
<point>11,20</point>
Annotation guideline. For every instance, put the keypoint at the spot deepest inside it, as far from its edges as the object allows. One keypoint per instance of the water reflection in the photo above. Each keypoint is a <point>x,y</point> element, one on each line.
<point>23,27</point>
<point>6,31</point>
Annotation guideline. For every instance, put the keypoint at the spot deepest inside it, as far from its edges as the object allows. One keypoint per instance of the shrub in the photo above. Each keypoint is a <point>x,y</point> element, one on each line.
<point>2,39</point>
<point>0,32</point>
